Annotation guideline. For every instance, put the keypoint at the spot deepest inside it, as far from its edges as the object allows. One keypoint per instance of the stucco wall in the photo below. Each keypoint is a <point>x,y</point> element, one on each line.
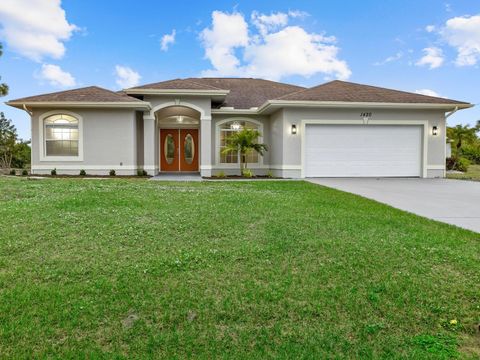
<point>109,142</point>
<point>435,145</point>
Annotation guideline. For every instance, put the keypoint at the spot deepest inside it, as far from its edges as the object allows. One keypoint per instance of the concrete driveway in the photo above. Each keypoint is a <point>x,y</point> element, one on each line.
<point>454,202</point>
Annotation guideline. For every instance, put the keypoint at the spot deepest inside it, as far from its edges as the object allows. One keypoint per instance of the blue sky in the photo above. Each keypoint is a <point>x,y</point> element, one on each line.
<point>428,46</point>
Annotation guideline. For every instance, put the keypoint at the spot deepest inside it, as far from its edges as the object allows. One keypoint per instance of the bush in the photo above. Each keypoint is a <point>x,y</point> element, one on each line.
<point>141,172</point>
<point>13,172</point>
<point>112,173</point>
<point>83,172</point>
<point>247,173</point>
<point>270,174</point>
<point>24,172</point>
<point>458,164</point>
<point>472,153</point>
<point>53,172</point>
<point>221,174</point>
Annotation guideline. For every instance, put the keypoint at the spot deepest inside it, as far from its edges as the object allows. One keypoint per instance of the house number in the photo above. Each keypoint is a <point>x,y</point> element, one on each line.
<point>366,114</point>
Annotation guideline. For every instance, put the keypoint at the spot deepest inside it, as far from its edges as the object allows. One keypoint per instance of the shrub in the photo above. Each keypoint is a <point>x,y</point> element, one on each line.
<point>83,172</point>
<point>459,164</point>
<point>270,174</point>
<point>24,172</point>
<point>53,172</point>
<point>221,174</point>
<point>247,173</point>
<point>472,153</point>
<point>141,172</point>
<point>112,172</point>
<point>13,172</point>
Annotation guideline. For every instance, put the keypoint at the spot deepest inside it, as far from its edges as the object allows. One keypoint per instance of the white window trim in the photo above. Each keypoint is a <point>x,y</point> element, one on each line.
<point>217,142</point>
<point>41,137</point>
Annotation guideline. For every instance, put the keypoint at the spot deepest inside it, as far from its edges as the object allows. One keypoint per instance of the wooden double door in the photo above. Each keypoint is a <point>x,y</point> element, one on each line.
<point>179,150</point>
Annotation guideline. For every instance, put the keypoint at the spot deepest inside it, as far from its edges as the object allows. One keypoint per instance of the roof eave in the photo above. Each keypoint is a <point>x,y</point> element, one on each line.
<point>80,104</point>
<point>272,105</point>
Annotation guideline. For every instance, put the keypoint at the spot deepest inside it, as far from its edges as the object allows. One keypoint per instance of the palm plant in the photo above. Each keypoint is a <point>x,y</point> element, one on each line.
<point>461,135</point>
<point>244,142</point>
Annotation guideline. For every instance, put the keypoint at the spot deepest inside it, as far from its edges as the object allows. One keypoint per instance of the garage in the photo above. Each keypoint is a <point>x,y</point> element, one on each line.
<point>363,150</point>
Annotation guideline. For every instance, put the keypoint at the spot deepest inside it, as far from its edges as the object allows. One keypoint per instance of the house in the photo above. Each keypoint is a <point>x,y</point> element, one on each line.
<point>337,129</point>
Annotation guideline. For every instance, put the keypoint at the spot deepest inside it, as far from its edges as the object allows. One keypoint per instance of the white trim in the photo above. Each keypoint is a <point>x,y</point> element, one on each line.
<point>41,137</point>
<point>217,142</point>
<point>86,167</point>
<point>423,123</point>
<point>286,167</point>
<point>348,104</point>
<point>82,104</point>
<point>179,103</point>
<point>235,111</point>
<point>435,167</point>
<point>184,92</point>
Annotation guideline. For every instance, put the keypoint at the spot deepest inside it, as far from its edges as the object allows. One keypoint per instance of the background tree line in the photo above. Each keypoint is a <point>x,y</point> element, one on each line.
<point>465,144</point>
<point>14,152</point>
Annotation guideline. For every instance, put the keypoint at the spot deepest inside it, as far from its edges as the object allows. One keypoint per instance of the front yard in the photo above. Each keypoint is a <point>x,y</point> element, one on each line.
<point>135,268</point>
<point>473,173</point>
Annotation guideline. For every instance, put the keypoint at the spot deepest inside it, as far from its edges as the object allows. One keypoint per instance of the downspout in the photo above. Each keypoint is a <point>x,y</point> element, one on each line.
<point>26,109</point>
<point>445,138</point>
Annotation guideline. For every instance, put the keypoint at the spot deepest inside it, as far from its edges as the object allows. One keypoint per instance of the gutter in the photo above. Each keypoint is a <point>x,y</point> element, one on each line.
<point>451,113</point>
<point>26,109</point>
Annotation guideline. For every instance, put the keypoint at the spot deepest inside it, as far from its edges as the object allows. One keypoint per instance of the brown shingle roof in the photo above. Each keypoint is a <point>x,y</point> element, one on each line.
<point>244,92</point>
<point>86,94</point>
<point>177,84</point>
<point>344,91</point>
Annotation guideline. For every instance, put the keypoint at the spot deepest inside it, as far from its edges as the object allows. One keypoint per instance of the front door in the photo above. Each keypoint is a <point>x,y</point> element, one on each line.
<point>179,150</point>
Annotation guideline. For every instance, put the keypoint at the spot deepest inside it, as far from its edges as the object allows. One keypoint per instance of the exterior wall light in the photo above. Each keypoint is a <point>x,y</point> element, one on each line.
<point>294,129</point>
<point>236,126</point>
<point>435,130</point>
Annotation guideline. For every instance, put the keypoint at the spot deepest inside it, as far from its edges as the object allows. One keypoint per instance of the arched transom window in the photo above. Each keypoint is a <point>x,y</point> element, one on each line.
<point>61,135</point>
<point>225,130</point>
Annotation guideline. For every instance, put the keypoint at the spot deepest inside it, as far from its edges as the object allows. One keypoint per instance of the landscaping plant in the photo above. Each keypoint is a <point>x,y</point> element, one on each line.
<point>244,142</point>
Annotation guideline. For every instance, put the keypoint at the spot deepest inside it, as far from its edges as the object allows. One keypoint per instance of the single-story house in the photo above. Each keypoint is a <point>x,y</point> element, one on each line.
<point>337,129</point>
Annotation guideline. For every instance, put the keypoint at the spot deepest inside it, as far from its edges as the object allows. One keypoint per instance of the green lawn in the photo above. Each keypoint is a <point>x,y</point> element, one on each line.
<point>473,173</point>
<point>134,268</point>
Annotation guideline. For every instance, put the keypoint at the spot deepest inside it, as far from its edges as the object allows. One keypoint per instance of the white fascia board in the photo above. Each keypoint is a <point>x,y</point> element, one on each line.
<point>276,104</point>
<point>81,104</point>
<point>235,111</point>
<point>178,92</point>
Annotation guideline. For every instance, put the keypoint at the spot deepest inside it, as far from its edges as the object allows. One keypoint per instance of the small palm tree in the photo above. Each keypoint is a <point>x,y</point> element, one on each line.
<point>461,135</point>
<point>244,142</point>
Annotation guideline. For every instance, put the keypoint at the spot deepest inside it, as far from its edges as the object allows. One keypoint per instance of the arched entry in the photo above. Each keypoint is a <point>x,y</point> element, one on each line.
<point>178,140</point>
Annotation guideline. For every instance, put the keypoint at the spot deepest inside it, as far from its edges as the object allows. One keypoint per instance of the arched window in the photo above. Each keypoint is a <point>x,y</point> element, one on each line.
<point>61,135</point>
<point>225,130</point>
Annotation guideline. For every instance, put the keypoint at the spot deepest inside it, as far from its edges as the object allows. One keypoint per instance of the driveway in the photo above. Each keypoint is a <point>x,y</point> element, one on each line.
<point>454,202</point>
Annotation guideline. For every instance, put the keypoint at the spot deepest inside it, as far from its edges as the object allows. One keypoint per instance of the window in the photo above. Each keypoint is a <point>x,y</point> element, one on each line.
<point>61,135</point>
<point>225,130</point>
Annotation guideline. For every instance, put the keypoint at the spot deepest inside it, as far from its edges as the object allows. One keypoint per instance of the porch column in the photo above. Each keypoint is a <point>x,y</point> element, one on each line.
<point>206,146</point>
<point>149,136</point>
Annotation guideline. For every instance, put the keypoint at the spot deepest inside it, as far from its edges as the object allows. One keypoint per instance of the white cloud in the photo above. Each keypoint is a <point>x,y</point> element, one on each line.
<point>433,58</point>
<point>167,40</point>
<point>463,33</point>
<point>56,76</point>
<point>276,50</point>
<point>430,28</point>
<point>427,92</point>
<point>126,77</point>
<point>35,29</point>
<point>395,57</point>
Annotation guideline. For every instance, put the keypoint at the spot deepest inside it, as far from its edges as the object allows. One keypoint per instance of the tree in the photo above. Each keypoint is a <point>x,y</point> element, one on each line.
<point>8,137</point>
<point>461,135</point>
<point>243,142</point>
<point>21,154</point>
<point>3,86</point>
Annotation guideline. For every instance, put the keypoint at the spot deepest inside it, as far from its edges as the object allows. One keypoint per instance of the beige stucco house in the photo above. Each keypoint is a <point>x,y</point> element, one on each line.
<point>338,129</point>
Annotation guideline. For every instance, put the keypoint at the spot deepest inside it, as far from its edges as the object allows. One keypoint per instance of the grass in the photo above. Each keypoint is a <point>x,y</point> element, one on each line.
<point>134,268</point>
<point>473,173</point>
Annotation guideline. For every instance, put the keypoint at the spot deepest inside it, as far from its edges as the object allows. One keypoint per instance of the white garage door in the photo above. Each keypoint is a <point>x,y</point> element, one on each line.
<point>363,150</point>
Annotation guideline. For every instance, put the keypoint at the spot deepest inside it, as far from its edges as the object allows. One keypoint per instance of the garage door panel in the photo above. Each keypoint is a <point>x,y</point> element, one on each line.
<point>356,150</point>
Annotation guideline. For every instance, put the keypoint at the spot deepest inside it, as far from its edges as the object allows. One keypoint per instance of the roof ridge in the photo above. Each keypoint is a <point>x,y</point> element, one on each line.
<point>196,83</point>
